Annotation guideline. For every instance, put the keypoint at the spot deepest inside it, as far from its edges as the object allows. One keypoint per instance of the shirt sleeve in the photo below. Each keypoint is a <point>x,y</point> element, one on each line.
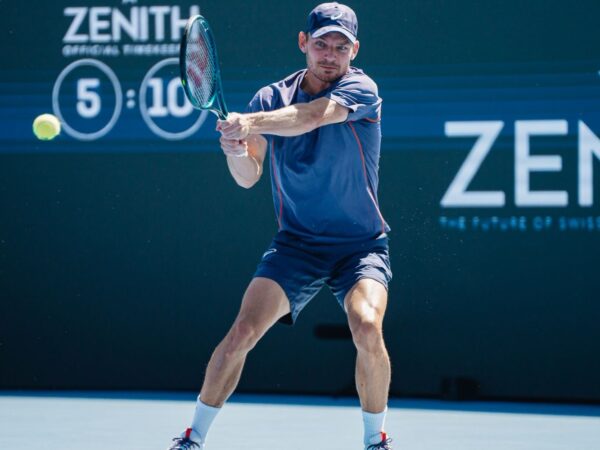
<point>262,101</point>
<point>359,94</point>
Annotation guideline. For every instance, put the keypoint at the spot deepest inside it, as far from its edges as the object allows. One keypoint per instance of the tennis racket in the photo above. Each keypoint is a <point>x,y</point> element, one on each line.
<point>199,65</point>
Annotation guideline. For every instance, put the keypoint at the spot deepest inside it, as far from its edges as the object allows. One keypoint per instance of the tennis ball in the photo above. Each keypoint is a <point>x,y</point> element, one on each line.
<point>46,127</point>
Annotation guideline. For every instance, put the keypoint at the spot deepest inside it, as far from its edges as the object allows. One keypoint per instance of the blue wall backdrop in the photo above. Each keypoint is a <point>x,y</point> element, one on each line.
<point>125,246</point>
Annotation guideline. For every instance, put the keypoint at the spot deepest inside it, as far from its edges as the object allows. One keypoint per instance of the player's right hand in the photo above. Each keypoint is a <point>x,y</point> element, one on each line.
<point>234,147</point>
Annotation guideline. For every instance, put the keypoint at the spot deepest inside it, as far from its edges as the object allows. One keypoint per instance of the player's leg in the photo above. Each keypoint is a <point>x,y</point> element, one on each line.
<point>264,302</point>
<point>359,281</point>
<point>365,304</point>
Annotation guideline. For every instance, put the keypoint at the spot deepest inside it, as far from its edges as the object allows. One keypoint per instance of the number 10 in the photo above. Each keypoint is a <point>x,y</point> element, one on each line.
<point>173,108</point>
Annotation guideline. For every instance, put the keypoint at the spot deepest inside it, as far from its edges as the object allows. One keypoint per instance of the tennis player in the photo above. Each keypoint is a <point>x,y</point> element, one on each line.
<point>322,127</point>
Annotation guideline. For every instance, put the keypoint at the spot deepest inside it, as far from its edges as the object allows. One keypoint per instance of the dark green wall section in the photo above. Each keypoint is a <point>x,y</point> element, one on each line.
<point>123,260</point>
<point>124,270</point>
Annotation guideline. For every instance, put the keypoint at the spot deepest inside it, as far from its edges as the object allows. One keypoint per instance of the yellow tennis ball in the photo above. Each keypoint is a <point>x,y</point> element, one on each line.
<point>46,127</point>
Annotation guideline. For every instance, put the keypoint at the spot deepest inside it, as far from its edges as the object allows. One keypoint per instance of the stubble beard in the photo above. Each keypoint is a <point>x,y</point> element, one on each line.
<point>314,68</point>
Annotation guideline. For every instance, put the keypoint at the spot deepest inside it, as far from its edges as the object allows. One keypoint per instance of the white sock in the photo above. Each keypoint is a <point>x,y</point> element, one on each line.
<point>203,418</point>
<point>374,425</point>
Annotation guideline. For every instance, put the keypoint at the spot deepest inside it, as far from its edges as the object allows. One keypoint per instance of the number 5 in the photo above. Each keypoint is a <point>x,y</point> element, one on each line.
<point>88,104</point>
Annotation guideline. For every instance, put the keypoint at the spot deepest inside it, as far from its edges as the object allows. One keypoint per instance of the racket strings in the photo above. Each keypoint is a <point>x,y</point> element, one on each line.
<point>201,66</point>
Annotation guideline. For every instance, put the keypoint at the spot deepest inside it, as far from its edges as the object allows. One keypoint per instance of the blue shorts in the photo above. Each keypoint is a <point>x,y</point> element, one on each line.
<point>302,268</point>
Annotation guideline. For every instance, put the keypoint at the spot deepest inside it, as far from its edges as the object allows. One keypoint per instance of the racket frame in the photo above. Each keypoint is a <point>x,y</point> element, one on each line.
<point>217,103</point>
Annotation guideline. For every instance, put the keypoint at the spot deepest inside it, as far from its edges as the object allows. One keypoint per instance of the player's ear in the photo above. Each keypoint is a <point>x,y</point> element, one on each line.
<point>302,41</point>
<point>355,50</point>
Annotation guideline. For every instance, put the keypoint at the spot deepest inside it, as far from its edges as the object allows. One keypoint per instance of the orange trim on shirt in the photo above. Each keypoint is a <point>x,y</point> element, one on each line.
<point>362,157</point>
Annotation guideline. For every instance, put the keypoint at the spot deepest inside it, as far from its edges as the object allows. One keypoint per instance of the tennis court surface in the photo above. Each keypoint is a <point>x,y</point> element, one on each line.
<point>143,421</point>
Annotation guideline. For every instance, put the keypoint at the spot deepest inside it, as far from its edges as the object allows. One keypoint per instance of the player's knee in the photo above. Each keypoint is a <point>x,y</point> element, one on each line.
<point>367,335</point>
<point>242,337</point>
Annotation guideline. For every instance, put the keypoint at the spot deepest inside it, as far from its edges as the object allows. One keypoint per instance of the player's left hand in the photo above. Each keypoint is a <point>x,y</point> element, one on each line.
<point>236,126</point>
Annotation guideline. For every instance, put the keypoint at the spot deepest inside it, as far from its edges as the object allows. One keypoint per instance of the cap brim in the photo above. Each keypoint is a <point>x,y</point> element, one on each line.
<point>331,28</point>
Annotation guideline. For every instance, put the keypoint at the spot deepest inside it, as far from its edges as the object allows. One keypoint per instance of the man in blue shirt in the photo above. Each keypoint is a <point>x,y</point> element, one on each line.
<point>320,130</point>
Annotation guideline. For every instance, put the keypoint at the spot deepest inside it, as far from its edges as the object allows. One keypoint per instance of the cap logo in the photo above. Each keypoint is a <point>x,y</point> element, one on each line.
<point>337,16</point>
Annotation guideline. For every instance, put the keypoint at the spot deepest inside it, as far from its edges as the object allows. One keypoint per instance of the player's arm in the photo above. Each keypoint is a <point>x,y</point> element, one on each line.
<point>292,120</point>
<point>245,170</point>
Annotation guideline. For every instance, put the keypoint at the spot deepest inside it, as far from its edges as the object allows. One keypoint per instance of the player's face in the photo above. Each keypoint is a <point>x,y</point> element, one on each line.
<point>328,57</point>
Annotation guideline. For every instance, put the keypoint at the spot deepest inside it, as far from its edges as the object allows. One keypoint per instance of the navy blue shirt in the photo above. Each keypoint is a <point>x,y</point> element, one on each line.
<point>325,182</point>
